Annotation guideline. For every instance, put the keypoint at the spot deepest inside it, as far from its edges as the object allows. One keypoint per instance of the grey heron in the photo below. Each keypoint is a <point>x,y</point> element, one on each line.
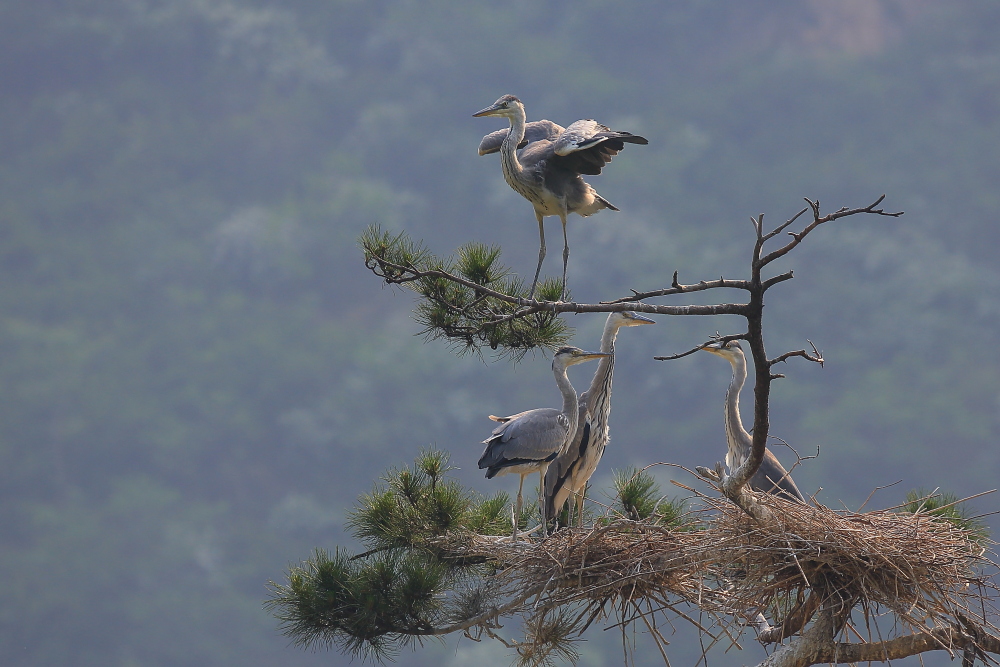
<point>569,473</point>
<point>771,477</point>
<point>527,442</point>
<point>548,171</point>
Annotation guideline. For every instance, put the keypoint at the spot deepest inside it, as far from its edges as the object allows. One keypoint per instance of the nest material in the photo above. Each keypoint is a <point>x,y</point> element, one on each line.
<point>924,569</point>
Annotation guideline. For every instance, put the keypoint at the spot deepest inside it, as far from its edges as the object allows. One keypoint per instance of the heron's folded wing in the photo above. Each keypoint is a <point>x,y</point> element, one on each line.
<point>534,435</point>
<point>537,130</point>
<point>771,477</point>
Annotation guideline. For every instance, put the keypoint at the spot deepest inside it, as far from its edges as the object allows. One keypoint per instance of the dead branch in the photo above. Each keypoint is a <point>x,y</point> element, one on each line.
<point>815,357</point>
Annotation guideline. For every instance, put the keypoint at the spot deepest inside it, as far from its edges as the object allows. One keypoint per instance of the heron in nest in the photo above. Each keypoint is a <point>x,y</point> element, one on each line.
<point>528,442</point>
<point>771,477</point>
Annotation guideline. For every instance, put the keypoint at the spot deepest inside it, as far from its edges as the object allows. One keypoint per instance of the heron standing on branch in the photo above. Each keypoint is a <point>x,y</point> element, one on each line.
<point>548,171</point>
<point>527,442</point>
<point>771,477</point>
<point>569,473</point>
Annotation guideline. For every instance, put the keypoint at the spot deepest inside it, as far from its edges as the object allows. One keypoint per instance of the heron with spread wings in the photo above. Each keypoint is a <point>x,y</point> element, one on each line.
<point>527,442</point>
<point>545,163</point>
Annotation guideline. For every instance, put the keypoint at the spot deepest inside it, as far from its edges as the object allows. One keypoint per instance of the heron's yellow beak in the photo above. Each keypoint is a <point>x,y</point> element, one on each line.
<point>488,111</point>
<point>586,356</point>
<point>636,320</point>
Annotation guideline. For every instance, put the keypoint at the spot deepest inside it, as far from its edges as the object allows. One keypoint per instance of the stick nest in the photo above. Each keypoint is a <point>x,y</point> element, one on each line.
<point>926,570</point>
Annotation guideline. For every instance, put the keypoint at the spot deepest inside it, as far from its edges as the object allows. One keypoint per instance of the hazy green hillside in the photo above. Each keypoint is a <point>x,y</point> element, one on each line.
<point>198,376</point>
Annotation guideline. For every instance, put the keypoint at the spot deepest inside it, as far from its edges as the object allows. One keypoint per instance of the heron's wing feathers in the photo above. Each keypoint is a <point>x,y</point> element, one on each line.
<point>772,477</point>
<point>535,435</point>
<point>586,146</point>
<point>537,130</point>
<point>535,155</point>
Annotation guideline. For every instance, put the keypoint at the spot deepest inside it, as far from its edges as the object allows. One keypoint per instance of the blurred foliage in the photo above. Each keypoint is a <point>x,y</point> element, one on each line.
<point>197,373</point>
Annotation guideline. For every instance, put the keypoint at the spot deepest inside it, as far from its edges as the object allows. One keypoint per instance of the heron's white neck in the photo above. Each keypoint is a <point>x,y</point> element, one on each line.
<point>570,401</point>
<point>736,436</point>
<point>512,169</point>
<point>600,386</point>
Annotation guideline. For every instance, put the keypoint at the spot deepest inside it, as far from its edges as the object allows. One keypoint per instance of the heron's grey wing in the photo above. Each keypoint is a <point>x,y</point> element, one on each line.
<point>536,130</point>
<point>586,146</point>
<point>772,478</point>
<point>535,435</point>
<point>535,154</point>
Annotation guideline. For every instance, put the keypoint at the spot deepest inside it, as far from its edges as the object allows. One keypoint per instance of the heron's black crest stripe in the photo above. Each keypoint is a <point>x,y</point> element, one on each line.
<point>585,440</point>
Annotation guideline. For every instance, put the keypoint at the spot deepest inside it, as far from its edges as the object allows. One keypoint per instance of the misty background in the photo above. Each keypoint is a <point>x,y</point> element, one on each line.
<point>198,376</point>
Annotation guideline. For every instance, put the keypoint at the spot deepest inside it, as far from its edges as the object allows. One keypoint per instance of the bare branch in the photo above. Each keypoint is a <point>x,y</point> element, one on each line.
<point>777,230</point>
<point>819,220</point>
<point>793,623</point>
<point>816,356</point>
<point>677,288</point>
<point>531,306</point>
<point>767,284</point>
<point>938,639</point>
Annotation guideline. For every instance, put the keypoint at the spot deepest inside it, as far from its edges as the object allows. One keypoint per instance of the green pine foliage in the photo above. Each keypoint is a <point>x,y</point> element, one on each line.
<point>638,497</point>
<point>369,608</point>
<point>416,503</point>
<point>552,642</point>
<point>946,506</point>
<point>470,319</point>
<point>375,603</point>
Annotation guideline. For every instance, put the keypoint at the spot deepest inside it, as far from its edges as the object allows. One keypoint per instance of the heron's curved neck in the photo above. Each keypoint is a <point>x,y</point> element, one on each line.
<point>512,168</point>
<point>600,386</point>
<point>570,407</point>
<point>737,437</point>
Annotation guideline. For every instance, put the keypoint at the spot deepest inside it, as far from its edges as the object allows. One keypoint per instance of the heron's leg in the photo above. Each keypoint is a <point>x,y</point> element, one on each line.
<point>580,499</point>
<point>541,253</point>
<point>517,510</point>
<point>541,500</point>
<point>562,218</point>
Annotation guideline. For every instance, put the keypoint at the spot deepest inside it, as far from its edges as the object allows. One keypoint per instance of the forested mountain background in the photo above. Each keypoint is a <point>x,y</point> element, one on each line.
<point>198,376</point>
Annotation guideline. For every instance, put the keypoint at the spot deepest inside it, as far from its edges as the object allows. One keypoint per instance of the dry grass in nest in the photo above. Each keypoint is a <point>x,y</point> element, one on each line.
<point>920,567</point>
<point>924,569</point>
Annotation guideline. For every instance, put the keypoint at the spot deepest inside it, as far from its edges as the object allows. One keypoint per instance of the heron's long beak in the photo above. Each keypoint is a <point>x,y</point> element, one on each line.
<point>488,111</point>
<point>637,319</point>
<point>714,348</point>
<point>587,356</point>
